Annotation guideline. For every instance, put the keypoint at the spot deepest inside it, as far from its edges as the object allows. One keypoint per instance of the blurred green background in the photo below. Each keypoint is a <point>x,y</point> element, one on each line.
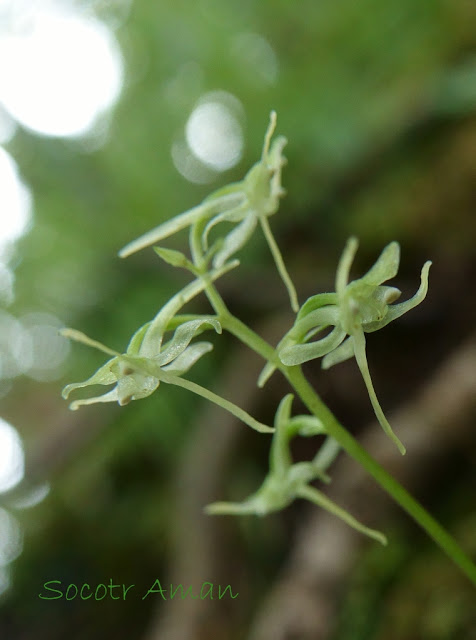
<point>118,115</point>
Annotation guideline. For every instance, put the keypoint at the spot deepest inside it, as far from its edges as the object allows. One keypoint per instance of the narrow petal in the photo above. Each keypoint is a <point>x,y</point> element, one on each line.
<point>273,118</point>
<point>340,354</point>
<point>135,342</point>
<point>104,376</point>
<point>188,358</point>
<point>300,353</point>
<point>280,456</point>
<point>301,473</point>
<point>327,453</point>
<point>270,367</point>
<point>319,318</point>
<point>316,302</point>
<point>183,336</point>
<point>236,214</point>
<point>273,495</point>
<point>79,336</point>
<point>235,240</point>
<point>386,266</point>
<point>111,396</point>
<point>276,161</point>
<point>345,263</point>
<point>397,310</point>
<point>167,228</point>
<point>208,208</point>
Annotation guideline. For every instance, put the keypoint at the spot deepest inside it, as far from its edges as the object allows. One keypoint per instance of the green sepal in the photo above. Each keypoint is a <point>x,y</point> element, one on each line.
<point>343,352</point>
<point>103,376</point>
<point>234,241</point>
<point>385,267</point>
<point>397,310</point>
<point>135,342</point>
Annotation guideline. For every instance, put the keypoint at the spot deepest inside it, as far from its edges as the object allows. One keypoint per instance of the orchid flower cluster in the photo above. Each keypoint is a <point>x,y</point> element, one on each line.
<point>164,350</point>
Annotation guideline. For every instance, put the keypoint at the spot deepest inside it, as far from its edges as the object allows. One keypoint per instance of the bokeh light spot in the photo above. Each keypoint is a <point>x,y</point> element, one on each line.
<point>12,460</point>
<point>15,202</point>
<point>8,126</point>
<point>189,165</point>
<point>7,280</point>
<point>16,349</point>
<point>256,57</point>
<point>11,539</point>
<point>32,497</point>
<point>213,131</point>
<point>4,580</point>
<point>64,69</point>
<point>49,348</point>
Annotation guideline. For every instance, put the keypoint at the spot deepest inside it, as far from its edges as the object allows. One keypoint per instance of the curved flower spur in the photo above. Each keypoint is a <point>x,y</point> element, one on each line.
<point>287,481</point>
<point>138,372</point>
<point>358,307</point>
<point>245,203</point>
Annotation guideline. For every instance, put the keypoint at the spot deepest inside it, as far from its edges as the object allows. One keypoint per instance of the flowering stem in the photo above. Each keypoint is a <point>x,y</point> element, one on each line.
<point>384,479</point>
<point>334,429</point>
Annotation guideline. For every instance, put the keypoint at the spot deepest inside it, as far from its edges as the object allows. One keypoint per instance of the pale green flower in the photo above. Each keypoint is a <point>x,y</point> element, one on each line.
<point>358,307</point>
<point>245,204</point>
<point>177,356</point>
<point>287,481</point>
<point>148,361</point>
<point>133,374</point>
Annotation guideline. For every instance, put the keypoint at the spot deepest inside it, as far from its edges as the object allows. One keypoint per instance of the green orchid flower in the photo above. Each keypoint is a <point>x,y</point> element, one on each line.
<point>135,376</point>
<point>149,360</point>
<point>287,481</point>
<point>356,308</point>
<point>245,204</point>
